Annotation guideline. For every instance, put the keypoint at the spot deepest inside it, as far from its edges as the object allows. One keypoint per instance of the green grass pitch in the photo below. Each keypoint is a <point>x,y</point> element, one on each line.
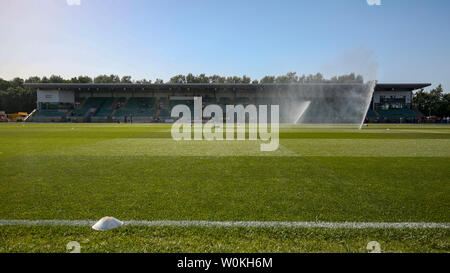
<point>137,172</point>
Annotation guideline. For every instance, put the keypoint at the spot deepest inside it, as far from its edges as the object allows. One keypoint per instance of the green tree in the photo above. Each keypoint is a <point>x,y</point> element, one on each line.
<point>432,103</point>
<point>56,79</point>
<point>17,99</point>
<point>144,81</point>
<point>34,79</point>
<point>84,79</point>
<point>268,79</point>
<point>190,78</point>
<point>4,84</point>
<point>436,100</point>
<point>126,79</point>
<point>202,78</point>
<point>107,79</point>
<point>246,79</point>
<point>216,79</point>
<point>178,79</point>
<point>444,109</point>
<point>17,82</point>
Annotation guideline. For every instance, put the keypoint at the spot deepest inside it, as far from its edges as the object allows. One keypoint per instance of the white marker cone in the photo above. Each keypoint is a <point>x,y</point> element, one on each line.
<point>107,223</point>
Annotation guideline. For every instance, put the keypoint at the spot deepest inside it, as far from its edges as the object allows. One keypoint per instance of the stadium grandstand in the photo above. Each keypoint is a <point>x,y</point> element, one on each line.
<point>125,102</point>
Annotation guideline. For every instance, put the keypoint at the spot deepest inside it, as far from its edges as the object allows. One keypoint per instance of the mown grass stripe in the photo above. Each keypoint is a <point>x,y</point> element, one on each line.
<point>355,225</point>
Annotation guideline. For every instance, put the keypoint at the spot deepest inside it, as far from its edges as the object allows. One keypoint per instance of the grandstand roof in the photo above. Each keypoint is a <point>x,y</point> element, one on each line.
<point>171,86</point>
<point>400,86</point>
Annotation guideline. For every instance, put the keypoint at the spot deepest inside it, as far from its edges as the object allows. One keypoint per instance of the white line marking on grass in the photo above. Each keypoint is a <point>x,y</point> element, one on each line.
<point>289,224</point>
<point>21,222</point>
<point>332,225</point>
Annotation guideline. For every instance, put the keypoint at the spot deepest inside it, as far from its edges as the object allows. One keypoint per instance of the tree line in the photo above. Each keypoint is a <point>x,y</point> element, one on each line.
<point>432,103</point>
<point>290,77</point>
<point>15,97</point>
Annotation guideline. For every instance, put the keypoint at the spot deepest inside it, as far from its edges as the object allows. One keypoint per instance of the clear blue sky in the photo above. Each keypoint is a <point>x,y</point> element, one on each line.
<point>408,39</point>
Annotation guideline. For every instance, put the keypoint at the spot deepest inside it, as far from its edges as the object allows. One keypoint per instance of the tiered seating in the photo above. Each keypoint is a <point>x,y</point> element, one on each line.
<point>224,101</point>
<point>242,100</point>
<point>163,104</point>
<point>137,107</point>
<point>51,113</point>
<point>371,114</point>
<point>263,101</point>
<point>90,103</point>
<point>397,113</point>
<point>106,109</point>
<point>189,103</point>
<point>209,100</point>
<point>164,113</point>
<point>172,103</point>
